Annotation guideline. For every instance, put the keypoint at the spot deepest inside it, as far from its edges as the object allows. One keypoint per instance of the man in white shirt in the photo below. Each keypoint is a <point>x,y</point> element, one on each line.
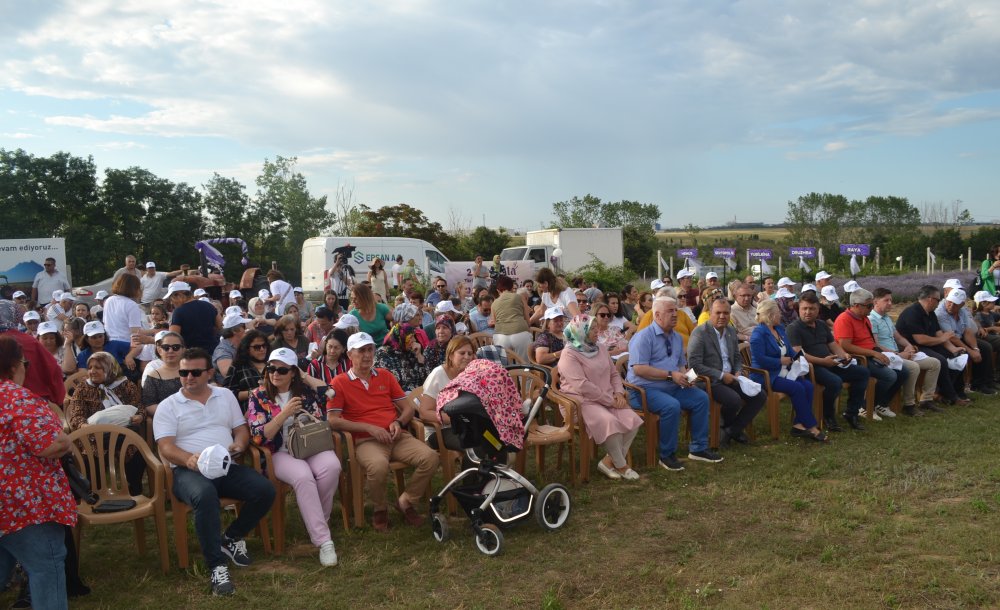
<point>397,270</point>
<point>128,268</point>
<point>60,310</point>
<point>47,282</point>
<point>188,423</point>
<point>282,292</point>
<point>152,284</point>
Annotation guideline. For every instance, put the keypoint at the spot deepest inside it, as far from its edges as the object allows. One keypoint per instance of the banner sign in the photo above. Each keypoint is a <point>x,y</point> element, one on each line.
<point>861,249</point>
<point>760,253</point>
<point>688,252</point>
<point>724,252</point>
<point>461,272</point>
<point>803,252</point>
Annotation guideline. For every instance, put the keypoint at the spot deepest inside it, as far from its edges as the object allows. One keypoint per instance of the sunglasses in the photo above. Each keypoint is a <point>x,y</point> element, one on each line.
<point>281,370</point>
<point>192,372</point>
<point>441,286</point>
<point>171,347</point>
<point>259,346</point>
<point>579,302</point>
<point>604,315</point>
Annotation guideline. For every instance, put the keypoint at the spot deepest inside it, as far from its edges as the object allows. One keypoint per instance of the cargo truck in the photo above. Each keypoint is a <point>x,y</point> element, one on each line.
<point>567,250</point>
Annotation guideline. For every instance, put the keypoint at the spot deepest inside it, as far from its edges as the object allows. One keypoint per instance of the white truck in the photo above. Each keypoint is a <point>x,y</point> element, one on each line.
<point>318,254</point>
<point>569,249</point>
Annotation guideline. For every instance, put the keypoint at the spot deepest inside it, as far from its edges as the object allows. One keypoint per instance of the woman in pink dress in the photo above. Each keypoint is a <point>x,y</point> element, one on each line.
<point>587,374</point>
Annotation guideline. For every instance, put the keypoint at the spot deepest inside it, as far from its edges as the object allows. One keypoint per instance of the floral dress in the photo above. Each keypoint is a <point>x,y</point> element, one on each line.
<point>403,365</point>
<point>261,410</point>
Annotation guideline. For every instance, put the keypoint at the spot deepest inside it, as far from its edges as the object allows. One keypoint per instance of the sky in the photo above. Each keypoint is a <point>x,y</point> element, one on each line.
<point>477,111</point>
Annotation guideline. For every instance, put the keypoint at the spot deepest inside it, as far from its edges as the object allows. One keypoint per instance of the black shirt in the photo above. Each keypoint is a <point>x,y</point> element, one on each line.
<point>814,341</point>
<point>915,321</point>
<point>197,321</point>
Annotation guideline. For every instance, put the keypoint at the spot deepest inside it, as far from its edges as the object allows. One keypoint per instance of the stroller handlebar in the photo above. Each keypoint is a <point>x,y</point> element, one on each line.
<point>544,370</point>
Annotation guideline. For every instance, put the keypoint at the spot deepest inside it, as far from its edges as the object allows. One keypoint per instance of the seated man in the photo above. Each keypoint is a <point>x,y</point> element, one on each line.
<point>744,313</point>
<point>190,421</point>
<point>919,325</point>
<point>954,317</point>
<point>713,351</point>
<point>831,364</point>
<point>480,316</point>
<point>657,365</point>
<point>854,332</point>
<point>365,405</point>
<point>889,339</point>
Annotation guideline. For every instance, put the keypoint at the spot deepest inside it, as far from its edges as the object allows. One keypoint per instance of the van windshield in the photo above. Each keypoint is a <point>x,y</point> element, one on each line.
<point>512,254</point>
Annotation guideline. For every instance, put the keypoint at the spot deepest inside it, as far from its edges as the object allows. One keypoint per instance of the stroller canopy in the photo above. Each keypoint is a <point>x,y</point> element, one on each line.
<point>491,383</point>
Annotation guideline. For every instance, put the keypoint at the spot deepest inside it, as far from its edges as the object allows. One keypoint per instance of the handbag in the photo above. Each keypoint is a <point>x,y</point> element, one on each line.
<point>308,436</point>
<point>78,484</point>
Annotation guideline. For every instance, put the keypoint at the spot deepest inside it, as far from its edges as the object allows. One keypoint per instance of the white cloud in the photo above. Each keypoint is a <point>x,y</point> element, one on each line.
<point>19,135</point>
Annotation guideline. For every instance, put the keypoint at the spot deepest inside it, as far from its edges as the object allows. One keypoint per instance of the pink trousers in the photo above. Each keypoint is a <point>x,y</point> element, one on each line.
<point>315,481</point>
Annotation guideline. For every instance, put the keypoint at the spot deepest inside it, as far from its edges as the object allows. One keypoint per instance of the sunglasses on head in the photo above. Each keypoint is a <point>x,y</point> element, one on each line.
<point>171,347</point>
<point>281,370</point>
<point>192,372</point>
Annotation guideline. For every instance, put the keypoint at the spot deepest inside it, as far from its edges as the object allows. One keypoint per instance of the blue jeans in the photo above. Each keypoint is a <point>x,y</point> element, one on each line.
<point>41,551</point>
<point>832,378</point>
<point>887,381</point>
<point>202,495</point>
<point>667,400</point>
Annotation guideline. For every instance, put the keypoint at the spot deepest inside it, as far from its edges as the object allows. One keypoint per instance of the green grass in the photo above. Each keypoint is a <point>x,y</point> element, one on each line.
<point>903,515</point>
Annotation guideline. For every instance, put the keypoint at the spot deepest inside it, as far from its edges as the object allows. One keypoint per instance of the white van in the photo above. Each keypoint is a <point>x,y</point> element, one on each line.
<point>317,258</point>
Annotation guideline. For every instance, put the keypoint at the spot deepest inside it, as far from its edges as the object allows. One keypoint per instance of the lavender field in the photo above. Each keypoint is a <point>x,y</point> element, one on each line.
<point>905,287</point>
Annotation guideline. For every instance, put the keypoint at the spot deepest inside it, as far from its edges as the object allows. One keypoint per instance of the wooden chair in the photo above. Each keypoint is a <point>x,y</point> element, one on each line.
<point>180,512</point>
<point>552,426</point>
<point>100,451</point>
<point>481,338</point>
<point>651,421</point>
<point>773,398</point>
<point>357,477</point>
<point>260,458</point>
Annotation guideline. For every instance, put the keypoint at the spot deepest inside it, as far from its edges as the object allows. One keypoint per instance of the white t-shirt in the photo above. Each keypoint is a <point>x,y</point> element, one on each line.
<point>432,385</point>
<point>152,287</point>
<point>47,284</point>
<point>283,290</point>
<point>53,312</point>
<point>396,270</point>
<point>195,426</point>
<point>565,298</point>
<point>281,400</point>
<point>121,314</point>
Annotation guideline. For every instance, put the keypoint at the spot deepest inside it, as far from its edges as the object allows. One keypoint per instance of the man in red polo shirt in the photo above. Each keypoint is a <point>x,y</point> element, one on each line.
<point>853,330</point>
<point>365,404</point>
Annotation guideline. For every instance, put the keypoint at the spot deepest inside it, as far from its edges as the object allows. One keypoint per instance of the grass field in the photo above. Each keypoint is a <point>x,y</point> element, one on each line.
<point>904,515</point>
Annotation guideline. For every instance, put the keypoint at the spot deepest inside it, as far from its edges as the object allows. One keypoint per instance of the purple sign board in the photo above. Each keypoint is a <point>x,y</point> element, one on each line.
<point>803,252</point>
<point>764,253</point>
<point>688,252</point>
<point>861,249</point>
<point>724,252</point>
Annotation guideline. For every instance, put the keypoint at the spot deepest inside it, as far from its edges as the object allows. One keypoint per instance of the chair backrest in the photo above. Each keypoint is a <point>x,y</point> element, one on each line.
<point>529,383</point>
<point>535,331</point>
<point>61,415</point>
<point>101,449</point>
<point>413,397</point>
<point>513,358</point>
<point>480,339</point>
<point>745,353</point>
<point>622,365</point>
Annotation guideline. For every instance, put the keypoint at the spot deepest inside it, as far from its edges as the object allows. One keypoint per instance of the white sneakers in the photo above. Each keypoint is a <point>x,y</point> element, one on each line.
<point>614,475</point>
<point>863,413</point>
<point>328,554</point>
<point>885,412</point>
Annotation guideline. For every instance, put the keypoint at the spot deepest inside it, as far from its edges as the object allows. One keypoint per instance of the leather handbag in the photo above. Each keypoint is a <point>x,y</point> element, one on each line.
<point>308,436</point>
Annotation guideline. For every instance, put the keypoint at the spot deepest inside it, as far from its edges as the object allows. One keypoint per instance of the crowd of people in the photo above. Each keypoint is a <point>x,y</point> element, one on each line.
<point>210,375</point>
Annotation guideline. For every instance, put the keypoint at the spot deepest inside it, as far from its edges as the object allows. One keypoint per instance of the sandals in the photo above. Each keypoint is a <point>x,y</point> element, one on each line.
<point>819,436</point>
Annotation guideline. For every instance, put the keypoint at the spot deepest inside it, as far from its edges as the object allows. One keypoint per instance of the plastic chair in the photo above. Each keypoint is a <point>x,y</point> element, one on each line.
<point>540,434</point>
<point>481,338</point>
<point>96,451</point>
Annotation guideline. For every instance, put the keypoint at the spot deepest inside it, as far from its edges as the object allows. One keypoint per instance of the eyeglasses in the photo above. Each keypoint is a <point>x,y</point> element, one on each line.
<point>49,264</point>
<point>281,370</point>
<point>171,347</point>
<point>259,346</point>
<point>192,372</point>
<point>604,314</point>
<point>441,286</point>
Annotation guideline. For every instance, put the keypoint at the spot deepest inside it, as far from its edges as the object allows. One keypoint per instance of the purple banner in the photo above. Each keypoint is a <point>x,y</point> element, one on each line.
<point>803,252</point>
<point>688,252</point>
<point>760,253</point>
<point>724,252</point>
<point>861,249</point>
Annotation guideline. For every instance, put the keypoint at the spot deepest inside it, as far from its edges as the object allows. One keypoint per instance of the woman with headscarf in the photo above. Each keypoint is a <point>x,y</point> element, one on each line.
<point>587,374</point>
<point>444,330</point>
<point>401,352</point>
<point>107,387</point>
<point>257,309</point>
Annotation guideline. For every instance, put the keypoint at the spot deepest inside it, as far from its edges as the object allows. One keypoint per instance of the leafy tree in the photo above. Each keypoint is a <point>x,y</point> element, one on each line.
<point>878,219</point>
<point>484,241</point>
<point>577,212</point>
<point>402,220</point>
<point>608,279</point>
<point>636,219</point>
<point>818,220</point>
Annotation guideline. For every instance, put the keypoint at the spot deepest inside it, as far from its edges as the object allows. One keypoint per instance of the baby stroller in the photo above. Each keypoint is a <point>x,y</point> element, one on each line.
<point>491,493</point>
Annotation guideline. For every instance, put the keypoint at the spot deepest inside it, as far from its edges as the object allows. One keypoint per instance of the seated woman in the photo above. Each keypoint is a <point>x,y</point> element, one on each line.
<point>771,351</point>
<point>288,333</point>
<point>265,320</point>
<point>52,340</point>
<point>105,387</point>
<point>248,366</point>
<point>768,288</point>
<point>608,335</point>
<point>270,413</point>
<point>444,330</point>
<point>401,353</point>
<point>619,318</point>
<point>459,353</point>
<point>333,359</point>
<point>95,339</point>
<point>164,380</point>
<point>550,342</point>
<point>708,295</point>
<point>587,374</point>
<point>644,304</point>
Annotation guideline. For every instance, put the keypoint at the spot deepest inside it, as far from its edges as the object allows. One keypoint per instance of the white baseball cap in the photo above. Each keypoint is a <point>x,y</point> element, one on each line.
<point>93,328</point>
<point>233,310</point>
<point>235,294</point>
<point>957,296</point>
<point>264,294</point>
<point>979,297</point>
<point>234,319</point>
<point>20,294</point>
<point>829,293</point>
<point>160,335</point>
<point>101,295</point>
<point>67,296</point>
<point>31,315</point>
<point>823,275</point>
<point>806,287</point>
<point>658,283</point>
<point>445,306</point>
<point>51,327</point>
<point>953,283</point>
<point>553,312</point>
<point>851,286</point>
<point>200,292</point>
<point>150,265</point>
<point>283,354</point>
<point>214,462</point>
<point>297,289</point>
<point>347,321</point>
<point>359,340</point>
<point>784,293</point>
<point>461,328</point>
<point>683,273</point>
<point>177,287</point>
<point>785,281</point>
<point>711,275</point>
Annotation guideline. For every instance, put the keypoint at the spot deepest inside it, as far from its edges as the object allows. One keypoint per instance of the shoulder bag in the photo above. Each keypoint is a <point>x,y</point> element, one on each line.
<point>308,436</point>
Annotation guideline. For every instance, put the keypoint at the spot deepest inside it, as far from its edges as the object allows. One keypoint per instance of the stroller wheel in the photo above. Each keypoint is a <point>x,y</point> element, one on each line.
<point>439,527</point>
<point>489,541</point>
<point>553,507</point>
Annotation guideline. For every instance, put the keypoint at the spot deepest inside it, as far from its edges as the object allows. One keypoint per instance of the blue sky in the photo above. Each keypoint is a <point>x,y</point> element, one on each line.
<point>711,110</point>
